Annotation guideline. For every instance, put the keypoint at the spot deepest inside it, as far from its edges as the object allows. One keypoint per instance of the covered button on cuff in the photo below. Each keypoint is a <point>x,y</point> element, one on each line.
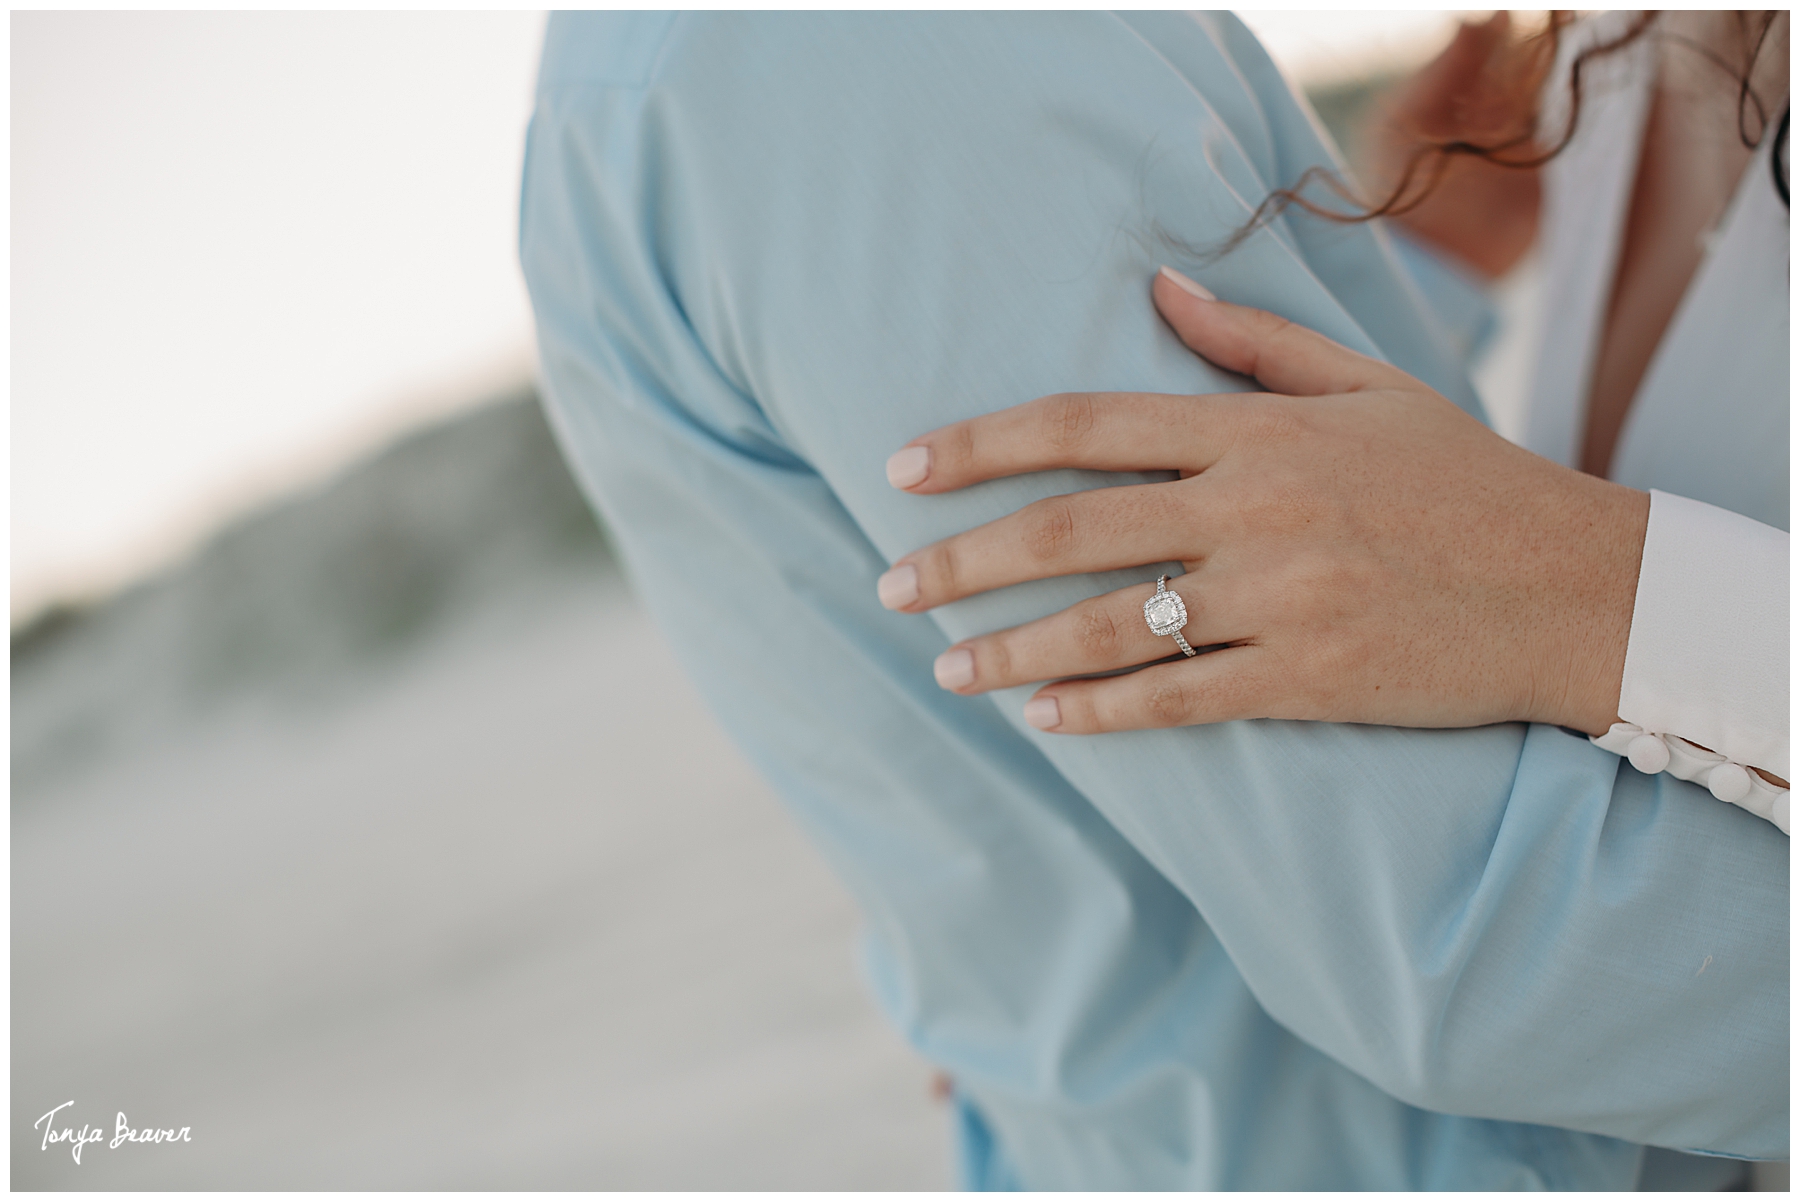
<point>1648,754</point>
<point>1729,782</point>
<point>1651,753</point>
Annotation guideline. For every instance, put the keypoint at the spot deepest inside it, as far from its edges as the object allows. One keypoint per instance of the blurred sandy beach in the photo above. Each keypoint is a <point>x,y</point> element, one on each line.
<point>479,901</point>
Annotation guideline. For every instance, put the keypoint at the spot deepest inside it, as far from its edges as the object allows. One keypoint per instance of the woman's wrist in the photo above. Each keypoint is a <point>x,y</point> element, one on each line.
<point>1602,552</point>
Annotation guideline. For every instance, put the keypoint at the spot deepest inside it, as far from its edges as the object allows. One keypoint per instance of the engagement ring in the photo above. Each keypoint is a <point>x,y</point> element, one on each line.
<point>1167,614</point>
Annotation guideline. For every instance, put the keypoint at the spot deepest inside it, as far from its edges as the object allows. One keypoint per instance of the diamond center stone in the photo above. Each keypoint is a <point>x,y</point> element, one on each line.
<point>1165,613</point>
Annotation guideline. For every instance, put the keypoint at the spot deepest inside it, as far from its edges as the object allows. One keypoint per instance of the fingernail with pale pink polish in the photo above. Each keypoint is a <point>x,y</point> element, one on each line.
<point>1043,713</point>
<point>908,467</point>
<point>954,668</point>
<point>898,586</point>
<point>1186,285</point>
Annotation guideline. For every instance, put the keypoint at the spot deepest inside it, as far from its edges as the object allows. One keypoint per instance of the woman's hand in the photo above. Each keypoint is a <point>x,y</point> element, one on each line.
<point>1357,549</point>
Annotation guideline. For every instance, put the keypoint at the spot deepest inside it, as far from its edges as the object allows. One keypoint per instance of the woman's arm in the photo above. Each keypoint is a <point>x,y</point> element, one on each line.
<point>1359,550</point>
<point>794,244</point>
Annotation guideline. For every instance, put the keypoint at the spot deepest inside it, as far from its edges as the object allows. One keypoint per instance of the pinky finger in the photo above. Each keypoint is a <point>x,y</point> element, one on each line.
<point>1219,686</point>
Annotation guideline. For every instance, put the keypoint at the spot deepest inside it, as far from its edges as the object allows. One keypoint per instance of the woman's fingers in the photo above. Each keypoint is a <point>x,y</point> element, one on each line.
<point>1099,635</point>
<point>1093,531</point>
<point>1100,431</point>
<point>1281,356</point>
<point>1137,431</point>
<point>1220,686</point>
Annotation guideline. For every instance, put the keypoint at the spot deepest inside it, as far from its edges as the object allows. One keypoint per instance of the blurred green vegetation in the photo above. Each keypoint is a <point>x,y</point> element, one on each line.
<point>369,556</point>
<point>305,595</point>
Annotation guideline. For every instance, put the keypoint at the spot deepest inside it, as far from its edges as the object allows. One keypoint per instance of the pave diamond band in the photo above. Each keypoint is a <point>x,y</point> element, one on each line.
<point>1166,613</point>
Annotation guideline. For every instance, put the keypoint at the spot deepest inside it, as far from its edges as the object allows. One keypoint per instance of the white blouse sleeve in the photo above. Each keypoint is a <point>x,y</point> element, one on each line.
<point>1705,694</point>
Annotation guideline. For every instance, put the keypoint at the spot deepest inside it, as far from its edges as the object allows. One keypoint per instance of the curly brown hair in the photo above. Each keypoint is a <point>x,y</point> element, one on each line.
<point>1508,133</point>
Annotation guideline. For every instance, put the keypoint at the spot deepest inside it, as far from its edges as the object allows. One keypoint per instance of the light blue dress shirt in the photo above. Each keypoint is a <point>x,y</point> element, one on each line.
<point>766,251</point>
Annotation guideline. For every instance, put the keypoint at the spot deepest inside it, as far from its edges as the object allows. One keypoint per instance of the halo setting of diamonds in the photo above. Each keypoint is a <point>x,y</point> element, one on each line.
<point>1165,612</point>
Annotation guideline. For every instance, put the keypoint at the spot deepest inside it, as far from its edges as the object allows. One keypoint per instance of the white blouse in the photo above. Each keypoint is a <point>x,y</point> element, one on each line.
<point>1707,434</point>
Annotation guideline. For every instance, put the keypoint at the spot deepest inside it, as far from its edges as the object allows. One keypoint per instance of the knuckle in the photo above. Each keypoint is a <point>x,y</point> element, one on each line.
<point>958,446</point>
<point>1270,325</point>
<point>1079,714</point>
<point>939,570</point>
<point>1098,635</point>
<point>993,660</point>
<point>1168,703</point>
<point>1282,502</point>
<point>1289,504</point>
<point>1072,419</point>
<point>1267,332</point>
<point>1276,423</point>
<point>1050,532</point>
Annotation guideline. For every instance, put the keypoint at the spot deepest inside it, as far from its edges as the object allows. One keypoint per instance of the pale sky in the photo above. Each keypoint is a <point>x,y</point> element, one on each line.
<point>246,246</point>
<point>249,246</point>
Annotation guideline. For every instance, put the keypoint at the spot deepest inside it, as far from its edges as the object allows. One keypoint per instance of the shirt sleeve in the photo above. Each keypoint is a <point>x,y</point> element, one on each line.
<point>805,240</point>
<point>1706,667</point>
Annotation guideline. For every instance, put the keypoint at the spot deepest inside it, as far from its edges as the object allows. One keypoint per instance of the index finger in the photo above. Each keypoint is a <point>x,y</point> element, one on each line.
<point>1281,355</point>
<point>1099,431</point>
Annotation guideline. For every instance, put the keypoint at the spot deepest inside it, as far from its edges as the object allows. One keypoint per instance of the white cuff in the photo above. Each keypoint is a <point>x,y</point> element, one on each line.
<point>1653,753</point>
<point>1707,659</point>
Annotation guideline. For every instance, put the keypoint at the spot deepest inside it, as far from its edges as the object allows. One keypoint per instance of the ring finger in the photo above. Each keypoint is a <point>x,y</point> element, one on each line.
<point>1098,635</point>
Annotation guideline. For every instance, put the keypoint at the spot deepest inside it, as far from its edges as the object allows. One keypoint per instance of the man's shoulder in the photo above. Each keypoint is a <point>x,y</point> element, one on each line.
<point>603,49</point>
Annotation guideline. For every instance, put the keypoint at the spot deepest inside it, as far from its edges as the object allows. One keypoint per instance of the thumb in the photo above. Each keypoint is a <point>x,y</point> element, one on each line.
<point>1281,356</point>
